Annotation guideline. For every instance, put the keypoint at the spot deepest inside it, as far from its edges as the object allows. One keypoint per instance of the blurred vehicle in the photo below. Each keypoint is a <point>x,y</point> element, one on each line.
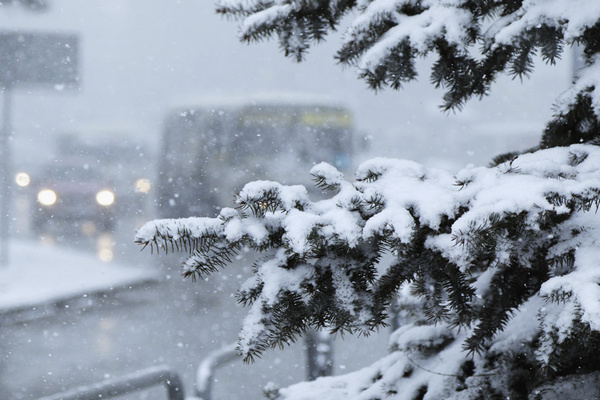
<point>122,155</point>
<point>212,147</point>
<point>73,196</point>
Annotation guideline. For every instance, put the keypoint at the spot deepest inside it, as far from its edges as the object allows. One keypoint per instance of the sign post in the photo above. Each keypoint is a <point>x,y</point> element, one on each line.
<point>35,60</point>
<point>5,174</point>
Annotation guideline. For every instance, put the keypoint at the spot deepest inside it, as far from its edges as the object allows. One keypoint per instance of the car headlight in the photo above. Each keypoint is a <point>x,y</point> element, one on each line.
<point>47,197</point>
<point>22,179</point>
<point>105,198</point>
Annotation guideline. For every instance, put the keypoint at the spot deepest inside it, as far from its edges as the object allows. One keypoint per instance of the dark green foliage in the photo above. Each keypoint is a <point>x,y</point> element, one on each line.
<point>506,239</point>
<point>578,353</point>
<point>308,22</point>
<point>32,5</point>
<point>579,125</point>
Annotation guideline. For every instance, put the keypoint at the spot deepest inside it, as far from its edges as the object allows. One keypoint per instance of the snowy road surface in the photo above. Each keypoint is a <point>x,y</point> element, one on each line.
<point>173,322</point>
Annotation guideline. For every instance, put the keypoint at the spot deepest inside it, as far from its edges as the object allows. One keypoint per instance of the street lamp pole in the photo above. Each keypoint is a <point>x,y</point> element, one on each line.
<point>5,175</point>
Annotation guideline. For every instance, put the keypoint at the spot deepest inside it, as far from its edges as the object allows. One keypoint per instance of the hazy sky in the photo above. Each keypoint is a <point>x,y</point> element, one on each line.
<point>139,56</point>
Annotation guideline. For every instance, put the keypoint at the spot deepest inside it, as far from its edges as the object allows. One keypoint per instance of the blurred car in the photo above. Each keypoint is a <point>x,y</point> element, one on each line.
<point>73,196</point>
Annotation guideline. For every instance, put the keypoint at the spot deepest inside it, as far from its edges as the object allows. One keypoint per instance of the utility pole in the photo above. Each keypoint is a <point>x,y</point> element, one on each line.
<point>5,174</point>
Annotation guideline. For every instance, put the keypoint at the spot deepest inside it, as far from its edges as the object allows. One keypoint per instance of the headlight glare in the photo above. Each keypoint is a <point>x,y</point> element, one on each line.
<point>105,198</point>
<point>22,179</point>
<point>47,197</point>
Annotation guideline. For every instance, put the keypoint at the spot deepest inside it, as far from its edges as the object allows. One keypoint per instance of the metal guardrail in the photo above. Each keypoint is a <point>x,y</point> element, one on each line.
<point>129,383</point>
<point>319,362</point>
<point>319,352</point>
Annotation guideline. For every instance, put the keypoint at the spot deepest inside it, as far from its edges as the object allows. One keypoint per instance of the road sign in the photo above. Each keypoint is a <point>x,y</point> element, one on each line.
<point>38,59</point>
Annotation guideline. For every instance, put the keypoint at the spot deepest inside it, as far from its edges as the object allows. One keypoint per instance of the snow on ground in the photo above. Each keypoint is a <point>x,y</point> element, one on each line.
<point>38,274</point>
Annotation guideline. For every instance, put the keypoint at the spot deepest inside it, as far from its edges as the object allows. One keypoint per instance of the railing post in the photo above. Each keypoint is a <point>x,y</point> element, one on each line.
<point>319,349</point>
<point>206,369</point>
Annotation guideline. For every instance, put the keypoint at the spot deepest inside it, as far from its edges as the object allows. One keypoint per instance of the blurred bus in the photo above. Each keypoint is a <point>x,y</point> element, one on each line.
<point>211,148</point>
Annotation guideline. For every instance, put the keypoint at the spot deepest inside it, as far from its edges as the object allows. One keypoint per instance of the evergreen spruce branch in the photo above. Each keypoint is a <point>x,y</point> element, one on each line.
<point>522,61</point>
<point>321,301</point>
<point>356,205</point>
<point>341,321</point>
<point>267,202</point>
<point>330,179</point>
<point>405,269</point>
<point>577,157</point>
<point>390,282</point>
<point>297,24</point>
<point>293,38</point>
<point>579,124</point>
<point>587,199</point>
<point>259,34</point>
<point>322,183</point>
<point>507,157</point>
<point>256,347</point>
<point>459,293</point>
<point>562,264</point>
<point>317,28</point>
<point>482,9</point>
<point>492,321</point>
<point>550,40</point>
<point>254,338</point>
<point>241,10</point>
<point>361,39</point>
<point>589,40</point>
<point>288,320</point>
<point>558,296</point>
<point>463,183</point>
<point>435,307</point>
<point>181,240</point>
<point>362,277</point>
<point>477,239</point>
<point>247,297</point>
<point>511,7</point>
<point>370,176</point>
<point>571,354</point>
<point>386,243</point>
<point>203,263</point>
<point>273,241</point>
<point>454,70</point>
<point>449,296</point>
<point>397,68</point>
<point>464,76</point>
<point>426,281</point>
<point>512,284</point>
<point>375,203</point>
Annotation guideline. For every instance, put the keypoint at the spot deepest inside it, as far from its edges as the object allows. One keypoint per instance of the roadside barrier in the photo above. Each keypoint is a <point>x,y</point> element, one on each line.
<point>126,384</point>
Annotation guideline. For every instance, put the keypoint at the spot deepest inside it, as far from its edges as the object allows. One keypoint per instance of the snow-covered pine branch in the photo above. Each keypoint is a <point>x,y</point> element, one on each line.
<point>472,41</point>
<point>482,254</point>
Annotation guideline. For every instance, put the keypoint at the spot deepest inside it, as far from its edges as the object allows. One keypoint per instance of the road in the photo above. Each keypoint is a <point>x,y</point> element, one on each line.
<point>174,322</point>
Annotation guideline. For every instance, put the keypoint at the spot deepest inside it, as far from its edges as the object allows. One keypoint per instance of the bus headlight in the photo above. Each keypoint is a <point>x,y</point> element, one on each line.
<point>47,197</point>
<point>105,198</point>
<point>142,185</point>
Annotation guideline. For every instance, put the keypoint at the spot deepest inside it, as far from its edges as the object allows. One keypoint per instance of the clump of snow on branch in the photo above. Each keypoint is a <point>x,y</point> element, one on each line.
<point>528,224</point>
